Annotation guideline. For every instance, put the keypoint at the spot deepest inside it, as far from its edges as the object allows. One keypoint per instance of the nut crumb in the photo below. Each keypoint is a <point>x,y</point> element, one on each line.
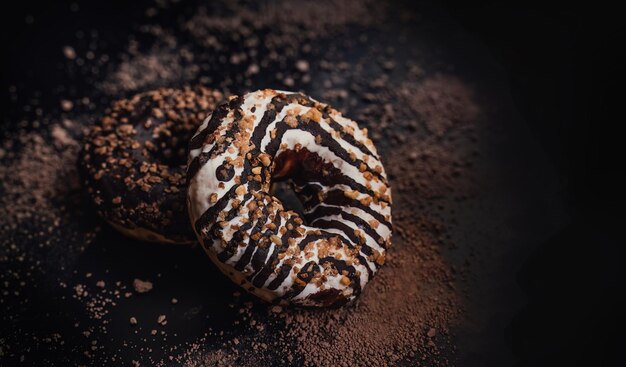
<point>142,286</point>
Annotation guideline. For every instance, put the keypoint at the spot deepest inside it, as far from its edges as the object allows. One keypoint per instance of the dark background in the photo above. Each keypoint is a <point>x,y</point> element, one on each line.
<point>566,76</point>
<point>567,81</point>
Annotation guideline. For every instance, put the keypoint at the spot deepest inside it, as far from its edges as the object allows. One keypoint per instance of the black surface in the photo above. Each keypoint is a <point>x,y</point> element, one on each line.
<point>565,79</point>
<point>567,82</point>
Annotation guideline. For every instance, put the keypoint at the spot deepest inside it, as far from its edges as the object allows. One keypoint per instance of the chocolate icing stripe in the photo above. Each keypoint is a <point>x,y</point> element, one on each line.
<point>365,263</point>
<point>283,273</point>
<point>363,225</point>
<point>272,248</point>
<point>348,231</point>
<point>344,240</point>
<point>214,122</point>
<point>339,129</point>
<point>233,212</point>
<point>274,145</point>
<point>331,122</point>
<point>260,258</point>
<point>198,162</point>
<point>329,142</point>
<point>193,168</point>
<point>220,148</point>
<point>326,141</point>
<point>279,102</point>
<point>305,275</point>
<point>210,215</point>
<point>338,198</point>
<point>238,237</point>
<point>260,131</point>
<point>266,269</point>
<point>327,234</point>
<point>247,255</point>
<point>341,265</point>
<point>348,137</point>
<point>268,116</point>
<point>312,238</point>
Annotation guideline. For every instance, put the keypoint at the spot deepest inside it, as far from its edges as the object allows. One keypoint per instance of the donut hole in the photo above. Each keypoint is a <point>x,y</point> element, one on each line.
<point>165,128</point>
<point>284,191</point>
<point>303,166</point>
<point>172,150</point>
<point>293,172</point>
<point>167,142</point>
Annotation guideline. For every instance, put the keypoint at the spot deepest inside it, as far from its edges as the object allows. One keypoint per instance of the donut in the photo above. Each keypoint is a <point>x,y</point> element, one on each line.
<point>321,257</point>
<point>133,162</point>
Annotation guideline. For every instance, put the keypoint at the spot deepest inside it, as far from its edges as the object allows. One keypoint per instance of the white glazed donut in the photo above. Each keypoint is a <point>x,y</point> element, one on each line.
<point>323,259</point>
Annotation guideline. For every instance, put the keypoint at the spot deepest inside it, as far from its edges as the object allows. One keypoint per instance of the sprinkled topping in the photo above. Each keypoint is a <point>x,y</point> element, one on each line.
<point>323,259</point>
<point>137,152</point>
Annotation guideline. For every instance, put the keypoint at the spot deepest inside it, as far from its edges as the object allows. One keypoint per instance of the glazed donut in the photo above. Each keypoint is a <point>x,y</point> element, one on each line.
<point>327,256</point>
<point>133,162</point>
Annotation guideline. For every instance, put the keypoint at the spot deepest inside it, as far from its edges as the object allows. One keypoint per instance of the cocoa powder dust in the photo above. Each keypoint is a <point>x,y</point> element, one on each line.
<point>406,314</point>
<point>424,121</point>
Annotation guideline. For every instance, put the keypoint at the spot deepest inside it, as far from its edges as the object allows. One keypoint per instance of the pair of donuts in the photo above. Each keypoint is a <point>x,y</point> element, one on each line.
<point>321,257</point>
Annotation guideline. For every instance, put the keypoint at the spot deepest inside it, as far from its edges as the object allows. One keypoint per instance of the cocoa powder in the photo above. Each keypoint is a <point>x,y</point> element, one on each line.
<point>424,125</point>
<point>407,312</point>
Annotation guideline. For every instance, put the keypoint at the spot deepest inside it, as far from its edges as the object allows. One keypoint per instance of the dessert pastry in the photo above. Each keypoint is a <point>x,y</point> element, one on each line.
<point>323,258</point>
<point>134,160</point>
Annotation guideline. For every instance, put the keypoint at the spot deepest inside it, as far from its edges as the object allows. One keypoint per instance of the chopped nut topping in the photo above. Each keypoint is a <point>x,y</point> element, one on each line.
<point>265,159</point>
<point>345,280</point>
<point>291,121</point>
<point>313,115</point>
<point>126,129</point>
<point>241,190</point>
<point>351,194</point>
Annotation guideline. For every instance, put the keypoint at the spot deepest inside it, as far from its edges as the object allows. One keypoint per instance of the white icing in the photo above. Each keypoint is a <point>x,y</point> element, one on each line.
<point>205,185</point>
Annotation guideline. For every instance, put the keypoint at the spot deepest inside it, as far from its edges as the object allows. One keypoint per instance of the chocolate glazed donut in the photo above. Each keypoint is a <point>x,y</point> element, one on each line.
<point>324,258</point>
<point>133,162</point>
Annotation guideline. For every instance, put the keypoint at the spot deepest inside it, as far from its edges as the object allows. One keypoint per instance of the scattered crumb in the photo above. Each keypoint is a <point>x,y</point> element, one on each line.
<point>142,286</point>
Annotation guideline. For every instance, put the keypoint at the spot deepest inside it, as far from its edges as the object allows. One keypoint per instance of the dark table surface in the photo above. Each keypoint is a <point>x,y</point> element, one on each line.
<point>532,286</point>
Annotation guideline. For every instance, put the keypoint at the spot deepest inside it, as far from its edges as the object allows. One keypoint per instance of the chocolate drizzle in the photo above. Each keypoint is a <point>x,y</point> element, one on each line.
<point>336,251</point>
